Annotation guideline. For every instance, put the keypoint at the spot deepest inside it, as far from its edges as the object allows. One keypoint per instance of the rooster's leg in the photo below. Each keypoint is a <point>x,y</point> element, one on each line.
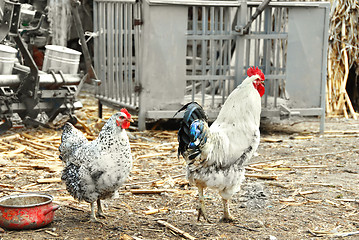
<point>201,207</point>
<point>227,215</point>
<point>100,212</point>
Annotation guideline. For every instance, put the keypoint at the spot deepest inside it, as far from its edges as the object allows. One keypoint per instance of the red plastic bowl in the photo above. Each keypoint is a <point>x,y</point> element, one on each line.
<point>26,211</point>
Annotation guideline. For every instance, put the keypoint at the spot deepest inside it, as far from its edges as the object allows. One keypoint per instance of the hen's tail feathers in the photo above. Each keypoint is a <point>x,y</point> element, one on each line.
<point>71,140</point>
<point>70,175</point>
<point>193,112</point>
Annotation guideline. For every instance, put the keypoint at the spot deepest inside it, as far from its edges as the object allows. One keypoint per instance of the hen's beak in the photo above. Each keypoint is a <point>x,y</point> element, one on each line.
<point>130,120</point>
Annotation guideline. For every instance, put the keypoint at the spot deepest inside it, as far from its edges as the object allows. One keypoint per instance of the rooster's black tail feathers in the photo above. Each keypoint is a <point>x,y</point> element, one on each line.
<point>193,111</point>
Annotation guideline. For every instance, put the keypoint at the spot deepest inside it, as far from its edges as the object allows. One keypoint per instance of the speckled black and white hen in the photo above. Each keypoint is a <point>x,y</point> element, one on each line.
<point>94,170</point>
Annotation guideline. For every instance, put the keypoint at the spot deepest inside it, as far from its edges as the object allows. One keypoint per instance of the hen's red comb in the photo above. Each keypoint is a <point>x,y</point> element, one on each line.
<point>124,110</point>
<point>255,71</point>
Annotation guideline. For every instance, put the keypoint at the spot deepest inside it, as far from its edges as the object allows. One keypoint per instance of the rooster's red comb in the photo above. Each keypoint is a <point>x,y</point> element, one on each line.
<point>255,71</point>
<point>124,110</point>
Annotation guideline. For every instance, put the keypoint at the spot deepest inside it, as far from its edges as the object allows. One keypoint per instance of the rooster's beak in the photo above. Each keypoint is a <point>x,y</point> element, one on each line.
<point>130,119</point>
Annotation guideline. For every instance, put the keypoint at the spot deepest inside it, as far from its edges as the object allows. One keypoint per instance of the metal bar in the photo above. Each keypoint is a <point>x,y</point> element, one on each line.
<point>99,106</point>
<point>275,76</point>
<point>308,111</point>
<point>201,36</point>
<point>204,51</point>
<point>266,49</point>
<point>239,69</point>
<point>278,15</point>
<point>110,47</point>
<point>277,46</point>
<point>212,52</point>
<point>104,56</point>
<point>120,53</point>
<point>21,107</point>
<point>259,10</point>
<point>258,43</point>
<point>97,45</point>
<point>248,44</point>
<point>284,42</point>
<point>212,114</point>
<point>45,80</point>
<point>125,53</point>
<point>194,48</point>
<point>274,57</point>
<point>91,74</point>
<point>193,67</point>
<point>137,48</point>
<point>324,70</point>
<point>229,54</point>
<point>197,3</point>
<point>267,36</point>
<point>96,41</point>
<point>117,104</point>
<point>289,4</point>
<point>100,89</point>
<point>204,78</point>
<point>102,48</point>
<point>116,47</point>
<point>117,1</point>
<point>130,47</point>
<point>222,53</point>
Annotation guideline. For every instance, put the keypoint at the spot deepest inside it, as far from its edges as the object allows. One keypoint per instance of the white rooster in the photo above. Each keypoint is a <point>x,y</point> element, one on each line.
<point>95,170</point>
<point>216,155</point>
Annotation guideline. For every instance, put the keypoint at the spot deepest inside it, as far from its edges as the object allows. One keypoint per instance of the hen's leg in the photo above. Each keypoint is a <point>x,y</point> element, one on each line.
<point>100,212</point>
<point>93,216</point>
<point>226,213</point>
<point>201,206</point>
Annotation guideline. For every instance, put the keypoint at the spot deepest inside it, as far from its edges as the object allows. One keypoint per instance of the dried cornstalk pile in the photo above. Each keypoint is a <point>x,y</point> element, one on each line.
<point>343,53</point>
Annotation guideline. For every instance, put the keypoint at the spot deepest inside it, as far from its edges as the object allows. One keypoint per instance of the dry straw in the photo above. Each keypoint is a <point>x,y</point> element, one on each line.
<point>342,55</point>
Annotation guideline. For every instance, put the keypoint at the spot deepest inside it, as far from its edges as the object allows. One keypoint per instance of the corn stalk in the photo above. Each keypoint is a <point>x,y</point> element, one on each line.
<point>343,53</point>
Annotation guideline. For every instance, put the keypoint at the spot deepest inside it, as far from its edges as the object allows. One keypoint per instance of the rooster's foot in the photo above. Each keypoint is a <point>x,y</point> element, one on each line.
<point>101,215</point>
<point>93,220</point>
<point>227,219</point>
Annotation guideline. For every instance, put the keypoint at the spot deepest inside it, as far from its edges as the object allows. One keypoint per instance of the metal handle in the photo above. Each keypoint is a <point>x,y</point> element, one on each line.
<point>51,209</point>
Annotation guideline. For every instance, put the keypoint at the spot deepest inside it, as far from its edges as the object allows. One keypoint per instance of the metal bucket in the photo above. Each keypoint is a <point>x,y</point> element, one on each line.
<point>7,59</point>
<point>61,58</point>
<point>26,211</point>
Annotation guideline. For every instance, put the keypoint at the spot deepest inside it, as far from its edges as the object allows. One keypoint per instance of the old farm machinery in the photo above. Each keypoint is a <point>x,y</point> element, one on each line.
<point>28,95</point>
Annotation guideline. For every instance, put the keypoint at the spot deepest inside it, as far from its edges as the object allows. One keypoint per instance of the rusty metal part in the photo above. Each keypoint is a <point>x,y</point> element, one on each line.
<point>90,76</point>
<point>245,29</point>
<point>45,80</point>
<point>30,93</point>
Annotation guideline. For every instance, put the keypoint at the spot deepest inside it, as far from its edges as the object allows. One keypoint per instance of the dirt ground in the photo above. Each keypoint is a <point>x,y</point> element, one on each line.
<point>313,193</point>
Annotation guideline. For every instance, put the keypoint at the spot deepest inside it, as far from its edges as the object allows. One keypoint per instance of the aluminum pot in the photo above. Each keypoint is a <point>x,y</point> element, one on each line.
<point>26,211</point>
